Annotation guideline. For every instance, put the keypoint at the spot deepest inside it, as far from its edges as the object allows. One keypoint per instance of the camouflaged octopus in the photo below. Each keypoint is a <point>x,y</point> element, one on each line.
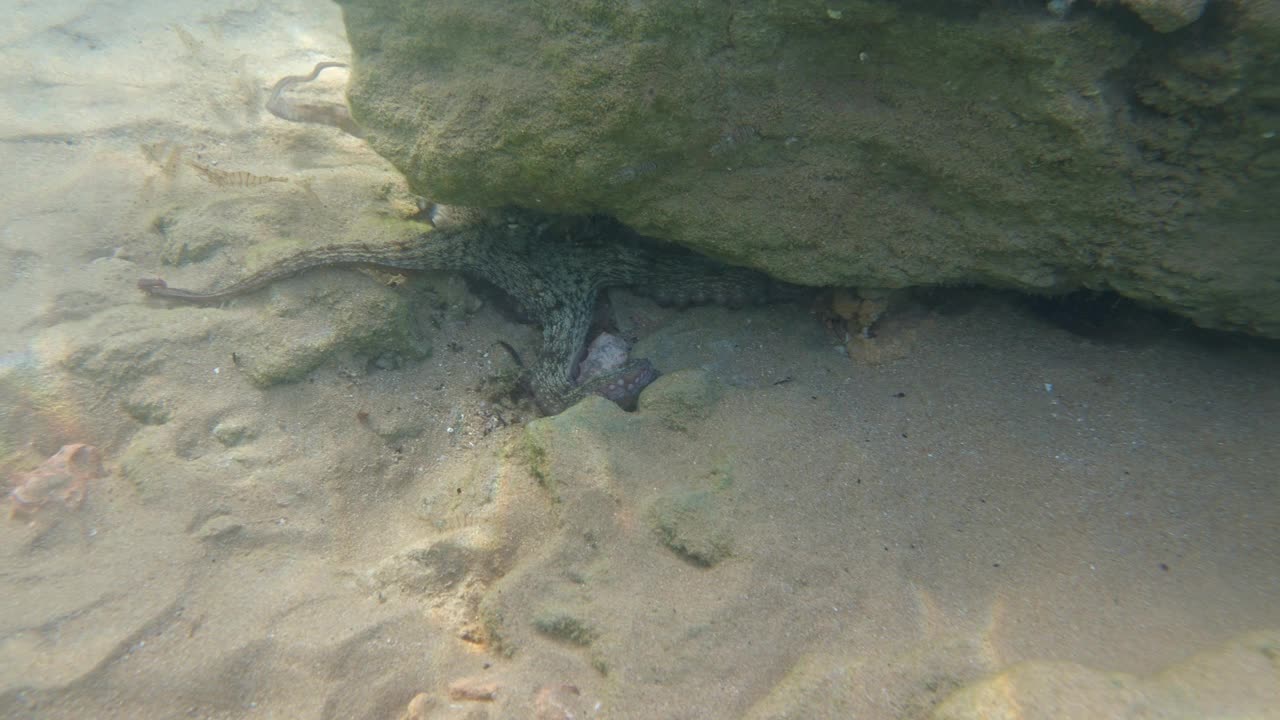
<point>554,268</point>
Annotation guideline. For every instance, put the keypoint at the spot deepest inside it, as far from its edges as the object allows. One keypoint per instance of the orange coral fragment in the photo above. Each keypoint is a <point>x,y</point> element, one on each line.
<point>63,478</point>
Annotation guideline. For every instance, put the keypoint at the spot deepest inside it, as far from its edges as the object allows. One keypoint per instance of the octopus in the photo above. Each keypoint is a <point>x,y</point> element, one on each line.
<point>554,269</point>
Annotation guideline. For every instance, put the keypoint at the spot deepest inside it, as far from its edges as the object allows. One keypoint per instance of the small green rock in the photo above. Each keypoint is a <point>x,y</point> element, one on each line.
<point>147,412</point>
<point>575,443</point>
<point>563,626</point>
<point>231,432</point>
<point>693,526</point>
<point>681,399</point>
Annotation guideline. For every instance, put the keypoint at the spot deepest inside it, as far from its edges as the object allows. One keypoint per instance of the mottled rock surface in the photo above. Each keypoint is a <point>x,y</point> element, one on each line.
<point>1128,147</point>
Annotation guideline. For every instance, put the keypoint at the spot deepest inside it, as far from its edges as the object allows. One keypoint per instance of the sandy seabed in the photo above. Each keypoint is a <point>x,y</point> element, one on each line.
<point>309,508</point>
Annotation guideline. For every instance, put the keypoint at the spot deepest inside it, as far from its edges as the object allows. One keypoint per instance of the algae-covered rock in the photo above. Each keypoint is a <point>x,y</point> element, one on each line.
<point>694,518</point>
<point>570,451</point>
<point>681,399</point>
<point>148,411</point>
<point>564,626</point>
<point>873,143</point>
<point>692,526</point>
<point>146,462</point>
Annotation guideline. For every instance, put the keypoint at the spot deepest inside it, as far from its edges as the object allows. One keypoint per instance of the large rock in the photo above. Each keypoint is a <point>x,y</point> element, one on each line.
<point>862,142</point>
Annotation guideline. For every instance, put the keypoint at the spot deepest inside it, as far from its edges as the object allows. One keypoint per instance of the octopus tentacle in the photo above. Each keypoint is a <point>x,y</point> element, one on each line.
<point>333,114</point>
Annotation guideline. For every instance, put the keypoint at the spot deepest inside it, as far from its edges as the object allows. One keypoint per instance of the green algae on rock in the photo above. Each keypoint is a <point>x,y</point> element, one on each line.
<point>681,399</point>
<point>875,143</point>
<point>693,525</point>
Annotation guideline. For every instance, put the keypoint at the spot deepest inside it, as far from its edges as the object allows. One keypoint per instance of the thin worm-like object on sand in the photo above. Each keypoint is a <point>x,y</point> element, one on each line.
<point>333,114</point>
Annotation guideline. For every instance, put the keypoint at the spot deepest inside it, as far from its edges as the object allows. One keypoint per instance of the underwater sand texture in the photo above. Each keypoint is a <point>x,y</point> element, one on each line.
<point>312,509</point>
